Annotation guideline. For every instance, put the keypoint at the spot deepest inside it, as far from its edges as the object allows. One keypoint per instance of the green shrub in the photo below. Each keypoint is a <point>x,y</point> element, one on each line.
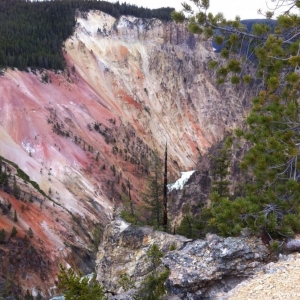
<point>126,282</point>
<point>77,287</point>
<point>153,286</point>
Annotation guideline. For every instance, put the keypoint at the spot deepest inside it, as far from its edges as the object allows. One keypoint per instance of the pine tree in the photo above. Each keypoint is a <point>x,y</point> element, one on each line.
<point>39,296</point>
<point>187,226</point>
<point>126,282</point>
<point>15,216</point>
<point>153,196</point>
<point>30,232</point>
<point>271,204</point>
<point>28,296</point>
<point>16,189</point>
<point>129,213</point>
<point>2,236</point>
<point>77,287</point>
<point>153,286</point>
<point>4,178</point>
<point>13,231</point>
<point>165,192</point>
<point>220,170</point>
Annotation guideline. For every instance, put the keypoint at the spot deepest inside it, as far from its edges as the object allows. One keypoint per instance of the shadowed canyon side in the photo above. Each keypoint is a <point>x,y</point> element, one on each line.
<point>131,86</point>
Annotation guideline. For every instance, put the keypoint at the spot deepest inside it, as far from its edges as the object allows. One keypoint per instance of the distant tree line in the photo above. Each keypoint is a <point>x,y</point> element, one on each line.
<point>32,33</point>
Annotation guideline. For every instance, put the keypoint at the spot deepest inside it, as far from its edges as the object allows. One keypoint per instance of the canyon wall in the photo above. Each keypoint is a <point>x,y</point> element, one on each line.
<point>131,86</point>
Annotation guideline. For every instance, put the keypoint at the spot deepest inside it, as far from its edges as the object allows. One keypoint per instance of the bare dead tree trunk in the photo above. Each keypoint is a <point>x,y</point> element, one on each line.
<point>165,199</point>
<point>129,196</point>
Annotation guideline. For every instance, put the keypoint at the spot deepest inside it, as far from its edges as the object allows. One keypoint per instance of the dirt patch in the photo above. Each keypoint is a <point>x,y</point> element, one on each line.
<point>277,281</point>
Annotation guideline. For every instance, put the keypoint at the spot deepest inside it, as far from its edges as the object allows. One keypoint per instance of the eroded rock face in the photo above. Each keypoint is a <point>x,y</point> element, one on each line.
<point>204,269</point>
<point>124,250</point>
<point>154,76</point>
<point>200,269</point>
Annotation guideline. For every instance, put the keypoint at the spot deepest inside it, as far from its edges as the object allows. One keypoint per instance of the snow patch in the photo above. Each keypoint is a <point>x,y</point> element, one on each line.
<point>121,225</point>
<point>178,185</point>
<point>68,266</point>
<point>58,298</point>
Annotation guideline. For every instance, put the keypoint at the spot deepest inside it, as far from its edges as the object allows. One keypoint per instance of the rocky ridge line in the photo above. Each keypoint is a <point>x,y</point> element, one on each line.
<point>199,269</point>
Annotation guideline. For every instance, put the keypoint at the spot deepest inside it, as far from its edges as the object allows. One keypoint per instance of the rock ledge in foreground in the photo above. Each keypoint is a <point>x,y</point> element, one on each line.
<point>205,269</point>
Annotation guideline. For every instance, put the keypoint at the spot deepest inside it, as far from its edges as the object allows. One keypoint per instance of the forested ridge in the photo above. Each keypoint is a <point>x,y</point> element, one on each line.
<point>32,33</point>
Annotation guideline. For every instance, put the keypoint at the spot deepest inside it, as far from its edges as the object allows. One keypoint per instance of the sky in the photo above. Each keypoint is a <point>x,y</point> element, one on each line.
<point>246,9</point>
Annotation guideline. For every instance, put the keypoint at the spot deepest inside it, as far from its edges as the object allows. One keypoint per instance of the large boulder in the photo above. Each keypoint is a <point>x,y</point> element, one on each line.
<point>207,269</point>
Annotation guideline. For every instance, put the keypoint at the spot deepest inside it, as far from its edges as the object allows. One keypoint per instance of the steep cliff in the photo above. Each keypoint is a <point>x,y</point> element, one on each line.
<point>155,74</point>
<point>131,86</point>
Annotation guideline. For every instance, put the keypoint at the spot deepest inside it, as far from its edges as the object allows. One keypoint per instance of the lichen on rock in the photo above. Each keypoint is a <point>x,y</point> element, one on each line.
<point>199,269</point>
<point>124,250</point>
<point>206,268</point>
